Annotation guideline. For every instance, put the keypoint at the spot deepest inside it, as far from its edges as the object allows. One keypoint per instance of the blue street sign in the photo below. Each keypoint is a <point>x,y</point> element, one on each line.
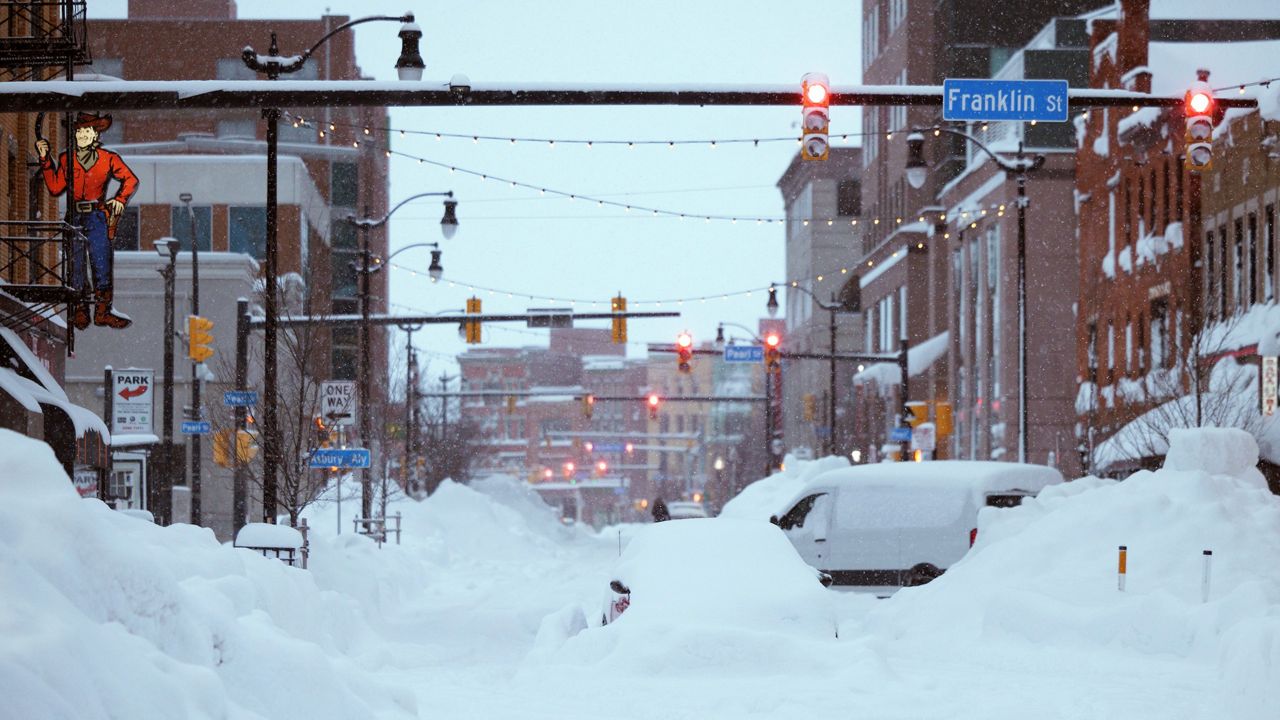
<point>240,398</point>
<point>193,427</point>
<point>348,458</point>
<point>900,434</point>
<point>744,353</point>
<point>608,447</point>
<point>992,100</point>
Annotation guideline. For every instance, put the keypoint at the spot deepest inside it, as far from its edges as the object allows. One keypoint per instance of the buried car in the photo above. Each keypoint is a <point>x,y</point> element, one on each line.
<point>719,571</point>
<point>891,525</point>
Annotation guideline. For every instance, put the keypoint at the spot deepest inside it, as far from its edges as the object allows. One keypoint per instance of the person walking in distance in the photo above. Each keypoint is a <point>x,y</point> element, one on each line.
<point>96,215</point>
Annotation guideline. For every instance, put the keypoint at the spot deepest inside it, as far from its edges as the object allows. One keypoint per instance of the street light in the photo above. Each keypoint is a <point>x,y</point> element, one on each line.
<point>167,248</point>
<point>408,67</point>
<point>832,308</point>
<point>448,227</point>
<point>1018,167</point>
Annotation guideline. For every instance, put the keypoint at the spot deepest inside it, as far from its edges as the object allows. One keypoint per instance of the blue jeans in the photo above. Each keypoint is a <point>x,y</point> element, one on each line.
<point>98,248</point>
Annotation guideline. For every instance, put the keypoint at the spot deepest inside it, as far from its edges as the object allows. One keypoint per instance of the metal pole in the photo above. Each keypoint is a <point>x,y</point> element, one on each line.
<point>166,481</point>
<point>768,422</point>
<point>1022,306</point>
<point>831,383</point>
<point>905,371</point>
<point>271,444</point>
<point>108,400</point>
<point>410,382</point>
<point>196,516</point>
<point>240,485</point>
<point>366,404</point>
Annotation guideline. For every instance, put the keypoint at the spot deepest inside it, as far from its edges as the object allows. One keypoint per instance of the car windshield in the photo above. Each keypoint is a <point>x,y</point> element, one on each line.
<point>350,350</point>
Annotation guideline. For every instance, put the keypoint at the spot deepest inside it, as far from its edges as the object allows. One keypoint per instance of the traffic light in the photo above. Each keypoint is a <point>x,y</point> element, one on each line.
<point>810,407</point>
<point>199,341</point>
<point>602,467</point>
<point>588,405</point>
<point>569,469</point>
<point>1200,107</point>
<point>815,117</point>
<point>619,333</point>
<point>473,326</point>
<point>684,351</point>
<point>511,404</point>
<point>322,433</point>
<point>654,401</point>
<point>245,448</point>
<point>772,350</point>
<point>630,448</point>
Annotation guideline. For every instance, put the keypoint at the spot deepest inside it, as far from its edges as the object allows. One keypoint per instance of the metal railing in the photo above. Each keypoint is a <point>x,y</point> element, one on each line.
<point>41,33</point>
<point>376,527</point>
<point>35,268</point>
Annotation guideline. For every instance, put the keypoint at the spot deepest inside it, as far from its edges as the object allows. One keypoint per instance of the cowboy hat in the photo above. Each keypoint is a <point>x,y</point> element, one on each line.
<point>93,120</point>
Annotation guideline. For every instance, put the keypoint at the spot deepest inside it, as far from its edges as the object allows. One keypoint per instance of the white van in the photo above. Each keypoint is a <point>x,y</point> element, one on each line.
<point>888,525</point>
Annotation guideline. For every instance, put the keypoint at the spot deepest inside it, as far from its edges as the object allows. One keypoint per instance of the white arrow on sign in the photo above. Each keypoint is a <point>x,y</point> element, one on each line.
<point>338,402</point>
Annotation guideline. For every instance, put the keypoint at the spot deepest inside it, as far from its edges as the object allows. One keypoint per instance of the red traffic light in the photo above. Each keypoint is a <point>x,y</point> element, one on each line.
<point>602,466</point>
<point>772,340</point>
<point>1199,102</point>
<point>816,94</point>
<point>814,87</point>
<point>654,400</point>
<point>684,340</point>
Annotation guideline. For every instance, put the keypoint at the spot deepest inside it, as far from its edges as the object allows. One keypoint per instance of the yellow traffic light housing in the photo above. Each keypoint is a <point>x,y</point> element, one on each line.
<point>588,405</point>
<point>473,326</point>
<point>199,339</point>
<point>619,331</point>
<point>810,407</point>
<point>916,412</point>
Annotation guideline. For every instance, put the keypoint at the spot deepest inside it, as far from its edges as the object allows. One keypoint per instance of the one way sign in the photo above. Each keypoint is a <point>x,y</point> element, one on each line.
<point>338,402</point>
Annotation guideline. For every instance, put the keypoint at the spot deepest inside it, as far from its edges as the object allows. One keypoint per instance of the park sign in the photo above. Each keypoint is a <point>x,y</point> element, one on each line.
<point>978,100</point>
<point>132,392</point>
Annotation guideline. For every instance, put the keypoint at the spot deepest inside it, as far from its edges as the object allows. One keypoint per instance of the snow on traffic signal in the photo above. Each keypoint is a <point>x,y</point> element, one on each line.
<point>684,351</point>
<point>1200,107</point>
<point>815,117</point>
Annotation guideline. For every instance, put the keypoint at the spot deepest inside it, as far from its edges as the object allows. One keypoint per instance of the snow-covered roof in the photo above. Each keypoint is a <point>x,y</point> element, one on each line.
<point>919,358</point>
<point>121,440</point>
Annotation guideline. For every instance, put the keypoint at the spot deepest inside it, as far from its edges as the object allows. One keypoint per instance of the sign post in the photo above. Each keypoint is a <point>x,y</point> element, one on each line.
<point>338,402</point>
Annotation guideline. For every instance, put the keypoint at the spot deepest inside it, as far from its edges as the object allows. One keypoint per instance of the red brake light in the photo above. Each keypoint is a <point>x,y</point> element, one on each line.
<point>973,536</point>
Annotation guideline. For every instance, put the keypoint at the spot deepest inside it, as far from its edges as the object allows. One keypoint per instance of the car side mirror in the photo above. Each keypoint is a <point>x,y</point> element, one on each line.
<point>774,519</point>
<point>619,588</point>
<point>825,579</point>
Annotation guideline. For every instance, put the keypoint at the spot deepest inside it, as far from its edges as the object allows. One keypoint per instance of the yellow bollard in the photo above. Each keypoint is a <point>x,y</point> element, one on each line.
<point>1124,554</point>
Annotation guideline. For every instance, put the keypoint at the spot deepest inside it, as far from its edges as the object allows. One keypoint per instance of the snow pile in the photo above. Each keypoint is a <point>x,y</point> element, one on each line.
<point>105,615</point>
<point>725,588</point>
<point>1045,573</point>
<point>765,497</point>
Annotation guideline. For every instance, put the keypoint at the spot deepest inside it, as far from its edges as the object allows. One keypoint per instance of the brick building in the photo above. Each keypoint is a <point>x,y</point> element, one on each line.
<point>1168,258</point>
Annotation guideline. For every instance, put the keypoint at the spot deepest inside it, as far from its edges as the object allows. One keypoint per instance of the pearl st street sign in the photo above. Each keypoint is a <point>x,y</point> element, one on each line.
<point>744,353</point>
<point>976,100</point>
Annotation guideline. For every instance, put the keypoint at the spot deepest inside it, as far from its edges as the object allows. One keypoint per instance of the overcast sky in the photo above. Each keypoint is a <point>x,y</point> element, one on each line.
<point>519,240</point>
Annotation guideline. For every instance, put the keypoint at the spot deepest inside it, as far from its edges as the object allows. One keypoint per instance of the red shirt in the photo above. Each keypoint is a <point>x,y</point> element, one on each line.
<point>91,183</point>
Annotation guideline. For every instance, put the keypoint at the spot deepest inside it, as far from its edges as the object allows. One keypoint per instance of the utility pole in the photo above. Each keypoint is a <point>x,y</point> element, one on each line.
<point>197,517</point>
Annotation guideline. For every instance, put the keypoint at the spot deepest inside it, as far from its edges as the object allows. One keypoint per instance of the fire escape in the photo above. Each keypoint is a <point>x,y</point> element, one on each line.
<point>39,40</point>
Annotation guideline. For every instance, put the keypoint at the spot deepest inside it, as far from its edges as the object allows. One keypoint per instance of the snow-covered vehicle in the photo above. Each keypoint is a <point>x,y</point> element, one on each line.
<point>720,572</point>
<point>682,510</point>
<point>890,525</point>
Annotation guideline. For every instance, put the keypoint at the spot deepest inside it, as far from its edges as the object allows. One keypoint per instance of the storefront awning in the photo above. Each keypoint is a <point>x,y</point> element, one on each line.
<point>30,385</point>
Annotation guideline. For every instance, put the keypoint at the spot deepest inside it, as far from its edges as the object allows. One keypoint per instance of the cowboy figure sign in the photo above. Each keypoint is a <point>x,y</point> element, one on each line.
<point>96,214</point>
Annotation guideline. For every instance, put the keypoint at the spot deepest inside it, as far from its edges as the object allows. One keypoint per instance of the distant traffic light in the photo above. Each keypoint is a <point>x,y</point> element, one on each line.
<point>511,404</point>
<point>810,407</point>
<point>602,467</point>
<point>1200,107</point>
<point>619,332</point>
<point>569,469</point>
<point>588,405</point>
<point>915,412</point>
<point>772,350</point>
<point>199,339</point>
<point>322,433</point>
<point>684,351</point>
<point>473,326</point>
<point>654,401</point>
<point>630,448</point>
<point>815,116</point>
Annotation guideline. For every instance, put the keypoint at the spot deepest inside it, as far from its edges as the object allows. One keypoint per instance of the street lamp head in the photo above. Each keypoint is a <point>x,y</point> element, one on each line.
<point>167,248</point>
<point>917,170</point>
<point>436,270</point>
<point>772,305</point>
<point>449,223</point>
<point>720,337</point>
<point>184,198</point>
<point>409,65</point>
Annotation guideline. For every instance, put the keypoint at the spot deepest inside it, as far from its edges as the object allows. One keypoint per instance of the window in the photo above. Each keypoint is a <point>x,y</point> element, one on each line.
<point>1238,284</point>
<point>1222,270</point>
<point>1128,345</point>
<point>234,69</point>
<point>902,313</point>
<point>1159,334</point>
<point>239,128</point>
<point>849,198</point>
<point>1165,183</point>
<point>1269,242</point>
<point>111,67</point>
<point>180,226</point>
<point>1209,276</point>
<point>1177,196</point>
<point>1251,241</point>
<point>1091,351</point>
<point>1111,346</point>
<point>127,235</point>
<point>794,517</point>
<point>248,231</point>
<point>344,184</point>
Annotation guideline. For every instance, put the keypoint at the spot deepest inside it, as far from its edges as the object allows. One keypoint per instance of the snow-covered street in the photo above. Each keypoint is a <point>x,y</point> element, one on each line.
<point>472,615</point>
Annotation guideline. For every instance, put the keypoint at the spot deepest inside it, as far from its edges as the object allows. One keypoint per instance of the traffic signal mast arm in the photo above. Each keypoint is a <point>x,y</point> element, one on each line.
<point>355,320</point>
<point>63,95</point>
<point>790,355</point>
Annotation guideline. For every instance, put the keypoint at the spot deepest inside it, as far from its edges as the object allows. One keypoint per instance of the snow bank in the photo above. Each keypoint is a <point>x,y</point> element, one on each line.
<point>765,497</point>
<point>1045,573</point>
<point>107,617</point>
